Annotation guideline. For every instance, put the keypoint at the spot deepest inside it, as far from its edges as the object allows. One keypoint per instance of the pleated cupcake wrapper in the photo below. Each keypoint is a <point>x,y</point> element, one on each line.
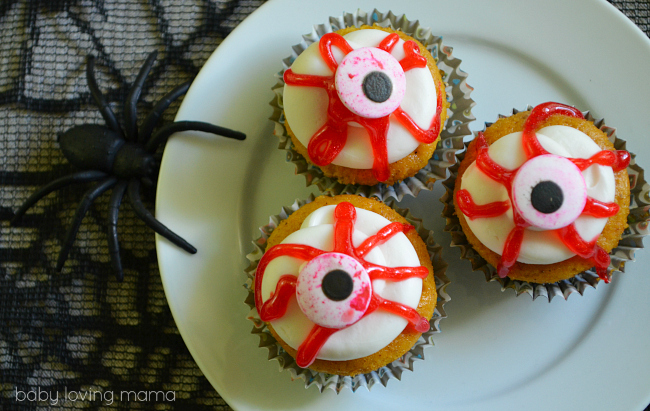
<point>336,382</point>
<point>632,238</point>
<point>451,137</point>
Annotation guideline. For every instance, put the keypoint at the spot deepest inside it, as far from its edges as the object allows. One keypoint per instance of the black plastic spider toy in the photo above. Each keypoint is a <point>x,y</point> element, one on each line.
<point>119,159</point>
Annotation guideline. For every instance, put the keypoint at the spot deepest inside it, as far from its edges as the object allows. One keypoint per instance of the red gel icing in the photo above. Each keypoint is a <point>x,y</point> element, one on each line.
<point>472,210</point>
<point>512,246</point>
<point>276,306</point>
<point>587,250</point>
<point>382,236</point>
<point>416,321</point>
<point>309,348</point>
<point>345,217</point>
<point>618,160</point>
<point>599,209</point>
<point>537,116</point>
<point>330,139</point>
<point>490,167</point>
<point>303,252</point>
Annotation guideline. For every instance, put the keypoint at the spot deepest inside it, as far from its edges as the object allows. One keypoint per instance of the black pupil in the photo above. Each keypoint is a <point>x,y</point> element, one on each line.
<point>377,86</point>
<point>546,197</point>
<point>337,285</point>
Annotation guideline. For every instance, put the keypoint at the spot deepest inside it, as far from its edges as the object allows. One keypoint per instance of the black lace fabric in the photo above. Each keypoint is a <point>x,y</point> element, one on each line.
<point>81,330</point>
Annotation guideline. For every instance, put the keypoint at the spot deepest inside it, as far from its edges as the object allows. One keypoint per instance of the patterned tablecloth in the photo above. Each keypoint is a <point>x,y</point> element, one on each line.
<point>81,332</point>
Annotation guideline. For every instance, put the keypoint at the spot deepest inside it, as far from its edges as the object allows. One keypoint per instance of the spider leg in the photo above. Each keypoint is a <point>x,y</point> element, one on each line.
<point>113,213</point>
<point>80,177</point>
<point>88,198</point>
<point>104,108</point>
<point>150,220</point>
<point>154,116</point>
<point>163,134</point>
<point>131,105</point>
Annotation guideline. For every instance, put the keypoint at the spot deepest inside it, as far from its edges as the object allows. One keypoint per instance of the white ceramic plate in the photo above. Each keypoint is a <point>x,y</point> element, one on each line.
<point>496,351</point>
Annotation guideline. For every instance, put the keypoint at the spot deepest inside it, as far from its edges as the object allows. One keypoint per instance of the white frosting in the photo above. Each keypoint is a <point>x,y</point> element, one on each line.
<point>538,247</point>
<point>306,107</point>
<point>374,331</point>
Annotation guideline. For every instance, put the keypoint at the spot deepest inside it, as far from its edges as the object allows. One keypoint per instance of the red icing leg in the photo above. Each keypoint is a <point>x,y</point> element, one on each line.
<point>378,130</point>
<point>379,272</point>
<point>325,48</point>
<point>309,348</point>
<point>603,158</point>
<point>303,252</point>
<point>618,160</point>
<point>472,210</point>
<point>345,216</point>
<point>381,237</point>
<point>306,80</point>
<point>327,143</point>
<point>601,262</point>
<point>512,247</point>
<point>488,166</point>
<point>623,159</point>
<point>276,306</point>
<point>389,42</point>
<point>588,250</point>
<point>434,128</point>
<point>599,209</point>
<point>419,323</point>
<point>421,135</point>
<point>532,146</point>
<point>510,251</point>
<point>538,115</point>
<point>575,243</point>
<point>413,57</point>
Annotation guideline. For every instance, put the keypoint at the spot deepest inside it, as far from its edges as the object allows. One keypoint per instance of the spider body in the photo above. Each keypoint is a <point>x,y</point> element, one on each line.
<point>119,158</point>
<point>94,147</point>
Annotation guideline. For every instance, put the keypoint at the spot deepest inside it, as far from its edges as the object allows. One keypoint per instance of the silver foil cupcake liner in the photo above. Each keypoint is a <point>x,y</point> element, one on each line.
<point>451,137</point>
<point>631,240</point>
<point>337,382</point>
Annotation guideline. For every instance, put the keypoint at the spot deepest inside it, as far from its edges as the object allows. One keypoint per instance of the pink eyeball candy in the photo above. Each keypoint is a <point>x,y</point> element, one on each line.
<point>549,192</point>
<point>370,82</point>
<point>333,290</point>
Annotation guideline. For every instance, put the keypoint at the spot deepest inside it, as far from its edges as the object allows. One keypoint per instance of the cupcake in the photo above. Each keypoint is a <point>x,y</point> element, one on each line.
<point>365,104</point>
<point>346,288</point>
<point>542,196</point>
